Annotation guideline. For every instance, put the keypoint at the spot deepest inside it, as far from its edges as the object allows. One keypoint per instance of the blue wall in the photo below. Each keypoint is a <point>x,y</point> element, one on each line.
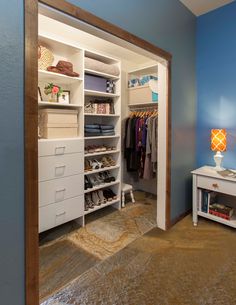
<point>216,81</point>
<point>11,153</point>
<point>166,23</point>
<point>169,25</point>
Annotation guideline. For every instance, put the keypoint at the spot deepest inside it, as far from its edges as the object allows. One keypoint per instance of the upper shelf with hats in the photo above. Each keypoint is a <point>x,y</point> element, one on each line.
<point>59,62</point>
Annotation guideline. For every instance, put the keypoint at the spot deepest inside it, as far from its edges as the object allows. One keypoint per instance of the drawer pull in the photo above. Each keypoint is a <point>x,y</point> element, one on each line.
<point>215,185</point>
<point>60,150</point>
<point>60,214</point>
<point>61,190</point>
<point>60,170</point>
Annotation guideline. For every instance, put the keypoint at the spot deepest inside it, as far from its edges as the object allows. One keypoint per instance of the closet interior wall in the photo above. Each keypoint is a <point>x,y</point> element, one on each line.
<point>128,60</point>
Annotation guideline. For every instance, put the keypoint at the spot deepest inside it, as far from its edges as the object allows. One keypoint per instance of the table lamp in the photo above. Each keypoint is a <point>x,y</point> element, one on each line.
<point>218,144</point>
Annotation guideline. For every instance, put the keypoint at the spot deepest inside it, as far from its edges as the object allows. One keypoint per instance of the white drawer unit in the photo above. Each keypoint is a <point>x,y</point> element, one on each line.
<point>53,167</point>
<point>60,189</point>
<point>61,212</point>
<point>217,185</point>
<point>207,179</point>
<point>60,147</point>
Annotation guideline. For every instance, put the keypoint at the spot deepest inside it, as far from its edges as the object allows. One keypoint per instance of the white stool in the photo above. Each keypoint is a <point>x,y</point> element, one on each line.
<point>124,189</point>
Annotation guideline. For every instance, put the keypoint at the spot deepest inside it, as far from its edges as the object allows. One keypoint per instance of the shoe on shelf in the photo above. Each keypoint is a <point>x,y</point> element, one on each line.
<point>100,165</point>
<point>87,166</point>
<point>93,165</point>
<point>96,199</point>
<point>108,177</point>
<point>112,194</point>
<point>101,196</point>
<point>99,178</point>
<point>87,183</point>
<point>111,161</point>
<point>88,202</point>
<point>107,195</point>
<point>102,177</point>
<point>105,162</point>
<point>94,181</point>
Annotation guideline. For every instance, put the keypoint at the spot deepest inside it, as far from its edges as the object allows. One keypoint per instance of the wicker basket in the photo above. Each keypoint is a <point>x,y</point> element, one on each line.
<point>45,58</point>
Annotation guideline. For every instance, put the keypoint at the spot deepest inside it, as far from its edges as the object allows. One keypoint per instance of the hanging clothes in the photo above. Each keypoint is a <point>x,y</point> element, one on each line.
<point>140,144</point>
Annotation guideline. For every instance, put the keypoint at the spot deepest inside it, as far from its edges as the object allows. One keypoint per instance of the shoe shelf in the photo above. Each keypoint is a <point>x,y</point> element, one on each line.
<point>99,93</point>
<point>101,170</point>
<point>107,152</point>
<point>102,137</point>
<point>58,105</point>
<point>105,75</point>
<point>101,186</point>
<point>57,78</point>
<point>98,207</point>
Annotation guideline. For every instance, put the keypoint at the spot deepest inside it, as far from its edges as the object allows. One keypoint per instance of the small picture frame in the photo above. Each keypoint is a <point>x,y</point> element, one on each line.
<point>40,98</point>
<point>64,98</point>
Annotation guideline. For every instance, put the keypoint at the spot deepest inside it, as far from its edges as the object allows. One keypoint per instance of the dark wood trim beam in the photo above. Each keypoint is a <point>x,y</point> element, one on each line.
<point>31,153</point>
<point>99,23</point>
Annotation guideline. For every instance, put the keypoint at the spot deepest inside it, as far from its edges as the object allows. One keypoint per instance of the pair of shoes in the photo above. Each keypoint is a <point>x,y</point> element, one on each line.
<point>107,177</point>
<point>87,183</point>
<point>95,164</point>
<point>96,180</point>
<point>107,161</point>
<point>88,202</point>
<point>87,166</point>
<point>109,195</point>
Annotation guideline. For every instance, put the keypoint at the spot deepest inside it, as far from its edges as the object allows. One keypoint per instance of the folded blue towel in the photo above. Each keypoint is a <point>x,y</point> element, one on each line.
<point>92,126</point>
<point>91,130</point>
<point>104,127</point>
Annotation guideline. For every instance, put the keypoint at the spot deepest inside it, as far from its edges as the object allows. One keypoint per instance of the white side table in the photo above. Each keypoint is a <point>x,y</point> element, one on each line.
<point>124,189</point>
<point>208,179</point>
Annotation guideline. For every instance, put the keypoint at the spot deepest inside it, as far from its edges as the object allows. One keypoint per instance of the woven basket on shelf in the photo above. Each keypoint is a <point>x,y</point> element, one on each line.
<point>45,58</point>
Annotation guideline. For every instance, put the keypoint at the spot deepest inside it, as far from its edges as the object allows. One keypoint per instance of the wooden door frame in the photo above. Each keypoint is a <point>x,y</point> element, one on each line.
<point>31,125</point>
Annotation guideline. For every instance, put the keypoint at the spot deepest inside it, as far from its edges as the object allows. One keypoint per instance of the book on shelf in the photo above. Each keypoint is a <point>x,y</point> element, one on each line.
<point>221,210</point>
<point>208,197</point>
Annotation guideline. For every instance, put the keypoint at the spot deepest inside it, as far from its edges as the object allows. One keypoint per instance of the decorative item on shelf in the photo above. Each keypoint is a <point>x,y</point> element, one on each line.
<point>63,67</point>
<point>53,91</point>
<point>64,97</point>
<point>221,210</point>
<point>110,86</point>
<point>218,144</point>
<point>45,57</point>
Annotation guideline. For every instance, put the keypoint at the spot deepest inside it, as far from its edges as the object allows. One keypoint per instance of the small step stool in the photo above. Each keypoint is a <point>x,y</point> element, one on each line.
<point>124,189</point>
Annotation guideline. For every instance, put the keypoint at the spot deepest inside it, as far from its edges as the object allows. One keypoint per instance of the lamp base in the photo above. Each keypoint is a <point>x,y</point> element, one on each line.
<point>218,157</point>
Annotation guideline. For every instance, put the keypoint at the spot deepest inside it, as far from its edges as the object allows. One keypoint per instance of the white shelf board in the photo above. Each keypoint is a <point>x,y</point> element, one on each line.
<point>101,170</point>
<point>107,152</point>
<point>60,139</point>
<point>42,103</point>
<point>231,223</point>
<point>102,115</point>
<point>147,69</point>
<point>57,78</point>
<point>101,137</point>
<point>99,93</point>
<point>101,206</point>
<point>143,104</point>
<point>93,72</point>
<point>101,186</point>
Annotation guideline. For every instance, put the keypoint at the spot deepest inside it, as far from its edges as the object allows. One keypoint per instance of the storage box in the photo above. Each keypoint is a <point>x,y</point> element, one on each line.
<point>58,123</point>
<point>142,94</point>
<point>95,83</point>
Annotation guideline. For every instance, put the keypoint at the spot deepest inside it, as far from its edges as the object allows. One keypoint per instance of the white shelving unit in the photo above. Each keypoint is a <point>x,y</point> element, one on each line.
<point>56,152</point>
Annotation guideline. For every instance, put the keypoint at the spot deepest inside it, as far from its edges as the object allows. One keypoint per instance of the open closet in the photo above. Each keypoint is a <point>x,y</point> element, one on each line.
<point>102,115</point>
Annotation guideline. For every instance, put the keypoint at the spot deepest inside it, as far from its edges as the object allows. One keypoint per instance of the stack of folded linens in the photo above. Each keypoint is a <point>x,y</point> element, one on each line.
<point>93,130</point>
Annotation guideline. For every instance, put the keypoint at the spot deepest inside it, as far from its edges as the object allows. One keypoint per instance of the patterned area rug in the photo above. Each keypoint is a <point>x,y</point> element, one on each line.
<point>185,265</point>
<point>68,251</point>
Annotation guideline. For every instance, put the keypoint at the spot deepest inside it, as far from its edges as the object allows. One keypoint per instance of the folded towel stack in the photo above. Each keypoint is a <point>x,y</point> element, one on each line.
<point>93,130</point>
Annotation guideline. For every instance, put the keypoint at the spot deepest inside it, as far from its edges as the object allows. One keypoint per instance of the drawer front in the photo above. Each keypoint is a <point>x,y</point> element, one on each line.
<point>60,166</point>
<point>60,189</point>
<point>60,147</point>
<point>58,213</point>
<point>217,185</point>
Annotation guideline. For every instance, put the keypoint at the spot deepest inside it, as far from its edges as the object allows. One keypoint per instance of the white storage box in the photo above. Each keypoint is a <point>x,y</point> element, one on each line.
<point>58,123</point>
<point>142,94</point>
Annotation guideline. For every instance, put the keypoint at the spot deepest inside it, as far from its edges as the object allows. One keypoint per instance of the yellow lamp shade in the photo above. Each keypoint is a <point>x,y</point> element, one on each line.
<point>218,139</point>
